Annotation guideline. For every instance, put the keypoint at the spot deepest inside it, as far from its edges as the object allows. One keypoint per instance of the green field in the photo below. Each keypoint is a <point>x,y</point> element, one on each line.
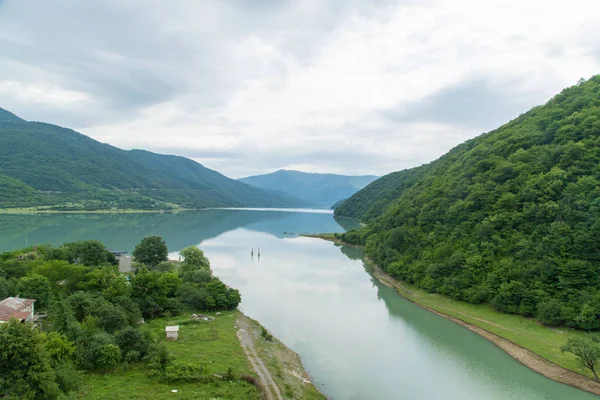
<point>213,344</point>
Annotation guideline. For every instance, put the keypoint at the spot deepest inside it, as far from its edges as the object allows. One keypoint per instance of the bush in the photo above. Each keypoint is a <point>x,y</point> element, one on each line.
<point>549,313</point>
<point>265,334</point>
<point>133,356</point>
<point>68,378</point>
<point>130,339</point>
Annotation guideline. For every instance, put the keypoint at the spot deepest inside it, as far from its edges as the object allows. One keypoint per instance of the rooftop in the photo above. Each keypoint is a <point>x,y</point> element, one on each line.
<point>172,328</point>
<point>15,307</point>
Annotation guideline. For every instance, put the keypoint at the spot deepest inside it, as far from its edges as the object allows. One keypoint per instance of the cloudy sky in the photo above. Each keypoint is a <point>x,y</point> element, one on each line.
<point>251,86</point>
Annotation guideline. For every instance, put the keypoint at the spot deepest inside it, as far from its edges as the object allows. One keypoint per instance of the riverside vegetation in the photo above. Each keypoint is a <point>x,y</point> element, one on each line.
<point>510,219</point>
<point>93,327</point>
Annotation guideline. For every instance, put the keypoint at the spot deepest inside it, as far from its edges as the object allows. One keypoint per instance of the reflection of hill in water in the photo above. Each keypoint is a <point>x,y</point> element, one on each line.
<point>124,231</point>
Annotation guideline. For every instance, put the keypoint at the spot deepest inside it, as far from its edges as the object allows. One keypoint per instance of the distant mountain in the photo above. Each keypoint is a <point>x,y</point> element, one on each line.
<point>43,164</point>
<point>322,190</point>
<point>6,116</point>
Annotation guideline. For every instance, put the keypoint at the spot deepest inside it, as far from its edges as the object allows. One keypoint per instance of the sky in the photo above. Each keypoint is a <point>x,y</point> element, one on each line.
<point>252,86</point>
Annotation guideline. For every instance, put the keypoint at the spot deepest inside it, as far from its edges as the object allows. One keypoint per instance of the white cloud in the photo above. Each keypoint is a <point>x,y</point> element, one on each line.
<point>248,87</point>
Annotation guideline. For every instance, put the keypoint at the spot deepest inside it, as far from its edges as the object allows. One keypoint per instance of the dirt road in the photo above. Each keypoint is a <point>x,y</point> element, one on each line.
<point>247,340</point>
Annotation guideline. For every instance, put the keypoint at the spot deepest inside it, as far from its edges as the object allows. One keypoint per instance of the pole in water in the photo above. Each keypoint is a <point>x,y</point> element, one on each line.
<point>252,254</point>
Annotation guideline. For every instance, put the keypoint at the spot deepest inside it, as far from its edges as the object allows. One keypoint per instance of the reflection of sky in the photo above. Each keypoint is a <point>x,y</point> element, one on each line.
<point>358,339</point>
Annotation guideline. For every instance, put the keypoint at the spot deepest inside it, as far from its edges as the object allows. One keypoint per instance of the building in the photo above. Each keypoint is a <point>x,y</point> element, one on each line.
<point>16,307</point>
<point>124,260</point>
<point>172,332</point>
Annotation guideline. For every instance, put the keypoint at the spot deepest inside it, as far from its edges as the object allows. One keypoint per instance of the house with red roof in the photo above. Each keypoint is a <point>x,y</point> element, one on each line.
<point>16,307</point>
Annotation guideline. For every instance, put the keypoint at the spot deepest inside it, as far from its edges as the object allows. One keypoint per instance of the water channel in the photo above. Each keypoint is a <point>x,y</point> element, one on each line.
<point>357,338</point>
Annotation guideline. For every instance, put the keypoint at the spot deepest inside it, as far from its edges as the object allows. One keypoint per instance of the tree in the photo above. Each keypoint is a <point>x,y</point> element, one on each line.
<point>151,251</point>
<point>111,318</point>
<point>25,371</point>
<point>586,350</point>
<point>60,349</point>
<point>35,287</point>
<point>195,266</point>
<point>61,274</point>
<point>130,339</point>
<point>107,281</point>
<point>90,252</point>
<point>193,256</point>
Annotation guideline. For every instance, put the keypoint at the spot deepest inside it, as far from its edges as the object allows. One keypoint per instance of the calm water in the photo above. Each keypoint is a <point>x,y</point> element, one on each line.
<point>357,338</point>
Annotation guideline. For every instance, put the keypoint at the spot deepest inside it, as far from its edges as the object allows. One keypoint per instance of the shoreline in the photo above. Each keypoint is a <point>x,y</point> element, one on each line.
<point>523,355</point>
<point>279,368</point>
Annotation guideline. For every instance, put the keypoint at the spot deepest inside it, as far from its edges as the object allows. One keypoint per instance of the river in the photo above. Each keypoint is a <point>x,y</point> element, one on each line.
<point>357,338</point>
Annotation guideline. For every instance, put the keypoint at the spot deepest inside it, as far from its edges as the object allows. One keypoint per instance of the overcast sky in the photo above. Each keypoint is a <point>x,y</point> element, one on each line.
<point>252,86</point>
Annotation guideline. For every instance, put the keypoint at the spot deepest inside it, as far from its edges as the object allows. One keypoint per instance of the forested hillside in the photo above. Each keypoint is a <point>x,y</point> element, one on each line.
<point>321,190</point>
<point>43,164</point>
<point>511,217</point>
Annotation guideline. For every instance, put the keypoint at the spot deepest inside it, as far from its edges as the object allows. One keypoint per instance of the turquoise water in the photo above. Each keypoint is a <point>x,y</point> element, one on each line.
<point>357,338</point>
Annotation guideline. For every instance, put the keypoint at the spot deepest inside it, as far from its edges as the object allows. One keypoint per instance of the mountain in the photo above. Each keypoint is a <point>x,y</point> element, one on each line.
<point>510,218</point>
<point>43,164</point>
<point>321,190</point>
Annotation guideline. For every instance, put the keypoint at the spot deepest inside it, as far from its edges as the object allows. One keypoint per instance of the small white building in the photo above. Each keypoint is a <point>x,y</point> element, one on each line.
<point>172,332</point>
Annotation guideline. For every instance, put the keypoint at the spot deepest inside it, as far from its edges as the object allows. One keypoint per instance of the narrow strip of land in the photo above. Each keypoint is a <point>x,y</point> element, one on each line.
<point>247,340</point>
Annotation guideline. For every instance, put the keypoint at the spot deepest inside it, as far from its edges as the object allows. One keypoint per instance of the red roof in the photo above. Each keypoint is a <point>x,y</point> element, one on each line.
<point>15,307</point>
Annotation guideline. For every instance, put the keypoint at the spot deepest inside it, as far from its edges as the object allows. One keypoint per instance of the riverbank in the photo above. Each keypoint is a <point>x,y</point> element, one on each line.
<point>534,345</point>
<point>278,367</point>
<point>217,345</point>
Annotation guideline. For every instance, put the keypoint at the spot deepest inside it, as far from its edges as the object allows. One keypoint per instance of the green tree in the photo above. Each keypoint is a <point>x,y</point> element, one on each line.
<point>60,349</point>
<point>586,350</point>
<point>151,251</point>
<point>90,252</point>
<point>25,371</point>
<point>35,287</point>
<point>195,257</point>
<point>130,339</point>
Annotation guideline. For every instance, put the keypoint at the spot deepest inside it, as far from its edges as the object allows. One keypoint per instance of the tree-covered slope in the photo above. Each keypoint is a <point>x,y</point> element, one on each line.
<point>322,190</point>
<point>7,116</point>
<point>511,217</point>
<point>44,164</point>
<point>371,201</point>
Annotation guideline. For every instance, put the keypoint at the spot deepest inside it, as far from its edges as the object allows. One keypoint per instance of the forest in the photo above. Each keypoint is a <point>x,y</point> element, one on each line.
<point>47,165</point>
<point>94,314</point>
<point>510,218</point>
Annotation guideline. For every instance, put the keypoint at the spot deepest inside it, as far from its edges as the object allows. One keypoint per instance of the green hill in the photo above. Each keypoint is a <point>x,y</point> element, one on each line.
<point>511,218</point>
<point>321,190</point>
<point>43,164</point>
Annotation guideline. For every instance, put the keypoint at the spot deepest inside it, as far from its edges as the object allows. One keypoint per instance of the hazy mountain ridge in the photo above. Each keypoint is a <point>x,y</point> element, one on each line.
<point>322,190</point>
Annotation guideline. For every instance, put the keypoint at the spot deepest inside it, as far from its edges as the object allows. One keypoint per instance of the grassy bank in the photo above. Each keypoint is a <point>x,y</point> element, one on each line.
<point>525,333</point>
<point>213,344</point>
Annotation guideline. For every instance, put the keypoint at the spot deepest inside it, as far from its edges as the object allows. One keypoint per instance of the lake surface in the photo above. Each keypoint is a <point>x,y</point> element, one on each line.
<point>357,338</point>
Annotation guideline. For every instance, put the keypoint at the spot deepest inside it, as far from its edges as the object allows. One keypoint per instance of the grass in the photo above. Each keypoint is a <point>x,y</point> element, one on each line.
<point>213,344</point>
<point>525,332</point>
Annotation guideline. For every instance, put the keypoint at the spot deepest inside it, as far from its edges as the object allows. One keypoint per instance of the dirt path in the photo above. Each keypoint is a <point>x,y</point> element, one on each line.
<point>247,340</point>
